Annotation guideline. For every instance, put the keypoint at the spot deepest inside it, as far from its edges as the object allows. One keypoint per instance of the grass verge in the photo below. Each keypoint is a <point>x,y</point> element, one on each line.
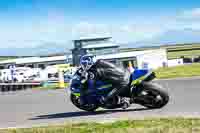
<point>170,125</point>
<point>178,54</point>
<point>179,71</point>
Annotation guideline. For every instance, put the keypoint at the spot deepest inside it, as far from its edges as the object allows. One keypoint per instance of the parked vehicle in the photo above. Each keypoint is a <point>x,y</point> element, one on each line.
<point>20,77</point>
<point>22,74</point>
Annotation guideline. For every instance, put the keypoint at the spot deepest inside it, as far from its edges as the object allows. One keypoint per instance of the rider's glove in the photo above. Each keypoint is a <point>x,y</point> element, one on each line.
<point>84,77</point>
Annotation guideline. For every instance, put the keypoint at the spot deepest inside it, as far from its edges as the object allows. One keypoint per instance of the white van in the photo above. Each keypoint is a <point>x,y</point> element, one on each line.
<point>20,77</point>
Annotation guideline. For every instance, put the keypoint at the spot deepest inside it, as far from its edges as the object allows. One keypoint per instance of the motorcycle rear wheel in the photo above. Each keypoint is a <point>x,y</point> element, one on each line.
<point>152,96</point>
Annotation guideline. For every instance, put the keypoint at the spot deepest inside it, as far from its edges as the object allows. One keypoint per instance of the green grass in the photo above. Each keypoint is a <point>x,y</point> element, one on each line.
<point>170,125</point>
<point>183,47</point>
<point>6,58</point>
<point>178,54</point>
<point>179,71</point>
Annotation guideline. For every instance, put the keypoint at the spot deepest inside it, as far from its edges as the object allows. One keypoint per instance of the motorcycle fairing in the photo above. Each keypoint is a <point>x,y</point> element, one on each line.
<point>138,75</point>
<point>99,86</point>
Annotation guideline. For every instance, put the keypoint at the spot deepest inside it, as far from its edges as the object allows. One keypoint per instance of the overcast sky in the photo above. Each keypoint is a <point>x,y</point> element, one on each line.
<point>28,23</point>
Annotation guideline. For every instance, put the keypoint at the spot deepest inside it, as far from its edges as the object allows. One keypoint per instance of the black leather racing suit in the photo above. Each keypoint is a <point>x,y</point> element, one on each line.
<point>110,73</point>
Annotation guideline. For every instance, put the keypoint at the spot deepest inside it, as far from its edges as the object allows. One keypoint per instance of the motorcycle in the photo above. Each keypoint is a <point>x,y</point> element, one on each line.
<point>140,90</point>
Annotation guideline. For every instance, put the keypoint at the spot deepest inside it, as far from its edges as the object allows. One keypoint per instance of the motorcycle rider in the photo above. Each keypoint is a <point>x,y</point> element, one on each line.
<point>106,72</point>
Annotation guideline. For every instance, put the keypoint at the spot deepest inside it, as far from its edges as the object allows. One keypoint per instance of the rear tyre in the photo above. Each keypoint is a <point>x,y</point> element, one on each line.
<point>76,101</point>
<point>152,96</point>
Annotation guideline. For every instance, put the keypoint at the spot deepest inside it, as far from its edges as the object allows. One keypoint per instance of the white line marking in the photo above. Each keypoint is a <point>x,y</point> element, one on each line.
<point>181,78</point>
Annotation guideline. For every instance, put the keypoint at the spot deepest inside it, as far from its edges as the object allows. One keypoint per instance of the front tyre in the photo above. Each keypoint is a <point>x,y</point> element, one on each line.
<point>152,96</point>
<point>76,101</point>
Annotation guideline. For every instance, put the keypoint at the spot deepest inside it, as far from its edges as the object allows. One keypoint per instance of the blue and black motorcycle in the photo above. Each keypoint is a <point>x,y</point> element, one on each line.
<point>140,91</point>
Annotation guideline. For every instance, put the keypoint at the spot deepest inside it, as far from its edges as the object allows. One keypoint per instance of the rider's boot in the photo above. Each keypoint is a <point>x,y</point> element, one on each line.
<point>125,103</point>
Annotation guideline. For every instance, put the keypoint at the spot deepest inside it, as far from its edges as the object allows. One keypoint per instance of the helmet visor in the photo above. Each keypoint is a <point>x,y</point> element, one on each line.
<point>86,62</point>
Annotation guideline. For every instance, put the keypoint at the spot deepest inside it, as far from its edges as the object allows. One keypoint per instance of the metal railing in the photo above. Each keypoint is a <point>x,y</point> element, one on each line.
<point>5,87</point>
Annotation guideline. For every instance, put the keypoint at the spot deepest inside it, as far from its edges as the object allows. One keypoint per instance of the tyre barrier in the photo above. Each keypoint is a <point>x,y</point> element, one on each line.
<point>6,87</point>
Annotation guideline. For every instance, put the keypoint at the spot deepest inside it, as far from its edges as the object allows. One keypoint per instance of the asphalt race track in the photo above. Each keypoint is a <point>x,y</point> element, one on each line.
<point>38,108</point>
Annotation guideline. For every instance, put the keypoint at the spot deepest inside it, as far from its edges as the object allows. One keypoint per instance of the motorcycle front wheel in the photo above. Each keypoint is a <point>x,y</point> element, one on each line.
<point>152,96</point>
<point>76,101</point>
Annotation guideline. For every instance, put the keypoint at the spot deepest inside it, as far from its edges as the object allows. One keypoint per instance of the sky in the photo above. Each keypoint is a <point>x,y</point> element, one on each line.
<point>30,23</point>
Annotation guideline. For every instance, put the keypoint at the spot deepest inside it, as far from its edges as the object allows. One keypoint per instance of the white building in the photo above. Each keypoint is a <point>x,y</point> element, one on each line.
<point>175,62</point>
<point>151,59</point>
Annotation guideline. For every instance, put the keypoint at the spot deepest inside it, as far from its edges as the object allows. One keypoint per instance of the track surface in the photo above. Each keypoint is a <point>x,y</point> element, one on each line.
<point>36,108</point>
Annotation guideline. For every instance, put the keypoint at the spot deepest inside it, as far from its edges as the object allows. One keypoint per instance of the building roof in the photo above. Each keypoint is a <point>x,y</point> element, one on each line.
<point>43,59</point>
<point>101,45</point>
<point>92,38</point>
<point>125,54</point>
<point>61,58</point>
<point>8,61</point>
<point>33,60</point>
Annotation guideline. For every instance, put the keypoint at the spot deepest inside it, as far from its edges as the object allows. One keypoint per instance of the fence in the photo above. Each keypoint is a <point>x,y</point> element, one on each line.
<point>5,87</point>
